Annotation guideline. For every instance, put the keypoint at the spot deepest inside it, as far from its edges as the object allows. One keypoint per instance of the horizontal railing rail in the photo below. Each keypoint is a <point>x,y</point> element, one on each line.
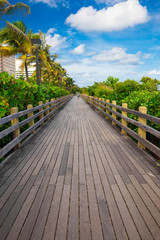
<point>101,106</point>
<point>50,108</point>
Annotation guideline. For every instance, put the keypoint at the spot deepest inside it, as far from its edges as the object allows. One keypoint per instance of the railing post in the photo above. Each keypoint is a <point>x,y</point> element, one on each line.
<point>107,111</point>
<point>92,99</point>
<point>113,115</point>
<point>142,132</point>
<point>124,105</point>
<point>103,104</point>
<point>47,112</point>
<point>100,103</point>
<point>52,104</point>
<point>31,123</point>
<point>16,132</point>
<point>97,103</point>
<point>41,109</point>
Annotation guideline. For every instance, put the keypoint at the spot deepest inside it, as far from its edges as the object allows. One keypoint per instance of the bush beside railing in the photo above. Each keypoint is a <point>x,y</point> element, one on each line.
<point>104,108</point>
<point>45,111</point>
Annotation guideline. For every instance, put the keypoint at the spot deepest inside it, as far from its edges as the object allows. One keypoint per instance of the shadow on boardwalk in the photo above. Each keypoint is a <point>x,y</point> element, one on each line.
<point>79,178</point>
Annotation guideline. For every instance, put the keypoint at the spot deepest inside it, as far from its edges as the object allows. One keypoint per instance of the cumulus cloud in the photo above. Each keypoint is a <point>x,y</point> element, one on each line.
<point>55,40</point>
<point>86,71</point>
<point>118,55</point>
<point>122,15</point>
<point>154,72</point>
<point>78,50</point>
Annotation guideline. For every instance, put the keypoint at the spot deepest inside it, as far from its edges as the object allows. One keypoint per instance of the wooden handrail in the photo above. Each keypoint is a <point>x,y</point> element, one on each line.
<point>24,112</point>
<point>134,112</point>
<point>141,140</point>
<point>49,110</point>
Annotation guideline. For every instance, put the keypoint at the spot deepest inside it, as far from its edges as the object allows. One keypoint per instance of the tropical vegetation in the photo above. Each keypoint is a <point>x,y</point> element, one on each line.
<point>15,39</point>
<point>135,94</point>
<point>6,8</point>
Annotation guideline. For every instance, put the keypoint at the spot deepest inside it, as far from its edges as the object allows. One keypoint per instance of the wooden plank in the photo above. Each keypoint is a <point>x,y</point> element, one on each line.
<point>63,166</point>
<point>35,150</point>
<point>128,222</point>
<point>59,151</point>
<point>50,228</point>
<point>137,113</point>
<point>23,135</point>
<point>145,142</point>
<point>85,221</point>
<point>85,148</point>
<point>137,218</point>
<point>103,208</point>
<point>31,151</point>
<point>73,223</point>
<point>105,192</point>
<point>152,195</point>
<point>62,223</point>
<point>118,225</point>
<point>149,202</point>
<point>42,216</point>
<point>16,227</point>
<point>96,227</point>
<point>33,213</point>
<point>153,227</point>
<point>150,182</point>
<point>24,112</point>
<point>123,143</point>
<point>10,218</point>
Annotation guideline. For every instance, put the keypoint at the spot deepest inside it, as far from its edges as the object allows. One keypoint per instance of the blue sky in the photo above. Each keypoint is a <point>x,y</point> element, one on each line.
<point>99,38</point>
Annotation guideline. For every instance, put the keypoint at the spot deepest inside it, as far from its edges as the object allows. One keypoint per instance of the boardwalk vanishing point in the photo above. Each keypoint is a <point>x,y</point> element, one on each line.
<point>78,178</point>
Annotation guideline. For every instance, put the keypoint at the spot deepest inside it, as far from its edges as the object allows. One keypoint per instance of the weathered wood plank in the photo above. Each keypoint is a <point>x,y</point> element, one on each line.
<point>62,224</point>
<point>79,179</point>
<point>50,228</point>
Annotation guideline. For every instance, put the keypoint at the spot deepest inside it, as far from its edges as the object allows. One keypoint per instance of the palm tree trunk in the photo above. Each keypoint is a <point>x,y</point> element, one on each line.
<point>26,69</point>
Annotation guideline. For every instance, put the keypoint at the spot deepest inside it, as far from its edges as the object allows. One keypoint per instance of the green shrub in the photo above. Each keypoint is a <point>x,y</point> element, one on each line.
<point>151,100</point>
<point>19,93</point>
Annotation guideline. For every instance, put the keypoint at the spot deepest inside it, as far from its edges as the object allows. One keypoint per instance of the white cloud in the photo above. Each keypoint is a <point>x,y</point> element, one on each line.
<point>86,71</point>
<point>154,72</point>
<point>116,18</point>
<point>146,55</point>
<point>56,41</point>
<point>52,3</point>
<point>119,56</point>
<point>51,30</point>
<point>109,2</point>
<point>78,50</point>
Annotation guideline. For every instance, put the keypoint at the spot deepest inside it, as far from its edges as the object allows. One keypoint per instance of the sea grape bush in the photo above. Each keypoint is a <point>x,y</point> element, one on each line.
<point>136,94</point>
<point>133,93</point>
<point>19,93</point>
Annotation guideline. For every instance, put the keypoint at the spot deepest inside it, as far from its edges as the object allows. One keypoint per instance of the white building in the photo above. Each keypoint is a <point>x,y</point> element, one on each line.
<point>31,69</point>
<point>7,64</point>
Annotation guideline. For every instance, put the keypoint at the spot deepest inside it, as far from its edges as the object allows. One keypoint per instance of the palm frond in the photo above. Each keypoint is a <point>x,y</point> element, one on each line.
<point>7,51</point>
<point>11,9</point>
<point>16,30</point>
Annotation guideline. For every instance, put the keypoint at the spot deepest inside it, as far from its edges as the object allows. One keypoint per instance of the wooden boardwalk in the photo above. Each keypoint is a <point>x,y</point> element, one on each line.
<point>78,178</point>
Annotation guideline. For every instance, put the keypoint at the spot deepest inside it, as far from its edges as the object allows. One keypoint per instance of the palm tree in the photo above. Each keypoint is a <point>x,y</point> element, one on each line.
<point>7,9</point>
<point>16,43</point>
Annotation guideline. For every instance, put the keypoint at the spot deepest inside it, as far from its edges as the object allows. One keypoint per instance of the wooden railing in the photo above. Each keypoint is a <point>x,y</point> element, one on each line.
<point>45,111</point>
<point>104,108</point>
